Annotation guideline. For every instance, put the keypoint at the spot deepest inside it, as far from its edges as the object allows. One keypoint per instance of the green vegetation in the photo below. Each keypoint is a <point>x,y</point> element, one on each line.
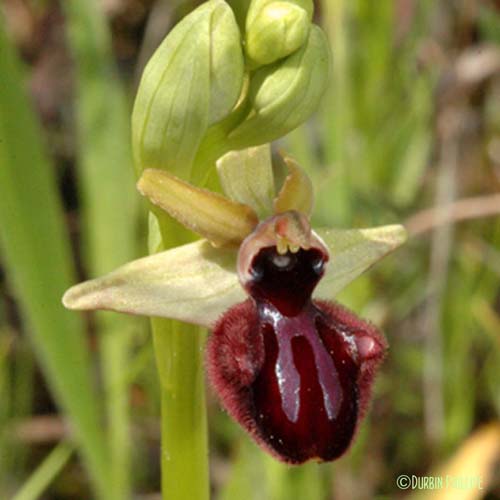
<point>407,131</point>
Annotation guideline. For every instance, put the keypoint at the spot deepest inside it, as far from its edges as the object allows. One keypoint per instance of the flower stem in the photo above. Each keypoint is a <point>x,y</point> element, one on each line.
<point>184,455</point>
<point>179,351</point>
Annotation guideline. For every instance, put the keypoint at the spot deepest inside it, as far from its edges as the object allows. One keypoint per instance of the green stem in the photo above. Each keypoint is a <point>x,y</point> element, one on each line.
<point>179,358</point>
<point>215,144</point>
<point>179,351</point>
<point>184,453</point>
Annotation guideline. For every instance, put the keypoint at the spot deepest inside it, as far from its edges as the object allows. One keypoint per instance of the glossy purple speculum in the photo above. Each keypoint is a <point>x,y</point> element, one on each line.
<point>296,373</point>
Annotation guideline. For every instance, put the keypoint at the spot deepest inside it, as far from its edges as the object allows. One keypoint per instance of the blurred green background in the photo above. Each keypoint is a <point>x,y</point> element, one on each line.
<point>409,131</point>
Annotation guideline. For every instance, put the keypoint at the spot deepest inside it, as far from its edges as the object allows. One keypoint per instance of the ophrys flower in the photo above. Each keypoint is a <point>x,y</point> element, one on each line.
<point>292,367</point>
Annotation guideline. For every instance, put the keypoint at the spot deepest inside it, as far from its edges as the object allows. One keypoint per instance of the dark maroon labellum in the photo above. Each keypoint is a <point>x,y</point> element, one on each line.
<point>294,372</point>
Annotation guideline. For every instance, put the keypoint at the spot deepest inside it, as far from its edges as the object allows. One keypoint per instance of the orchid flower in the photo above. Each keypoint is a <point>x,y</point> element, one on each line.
<point>289,364</point>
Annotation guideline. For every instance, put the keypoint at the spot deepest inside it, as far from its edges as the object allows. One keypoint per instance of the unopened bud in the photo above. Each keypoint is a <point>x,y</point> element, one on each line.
<point>278,30</point>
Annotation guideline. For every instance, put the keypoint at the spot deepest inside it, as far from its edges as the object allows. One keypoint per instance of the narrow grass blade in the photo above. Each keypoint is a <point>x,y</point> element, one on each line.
<point>109,204</point>
<point>37,257</point>
<point>336,123</point>
<point>41,478</point>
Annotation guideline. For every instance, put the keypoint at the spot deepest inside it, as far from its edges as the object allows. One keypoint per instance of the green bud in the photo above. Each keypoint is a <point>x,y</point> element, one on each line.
<point>192,81</point>
<point>285,94</point>
<point>279,29</point>
<point>257,6</point>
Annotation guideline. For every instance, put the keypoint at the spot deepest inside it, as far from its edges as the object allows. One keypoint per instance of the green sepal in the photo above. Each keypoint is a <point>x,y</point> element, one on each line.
<point>194,283</point>
<point>246,176</point>
<point>352,252</point>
